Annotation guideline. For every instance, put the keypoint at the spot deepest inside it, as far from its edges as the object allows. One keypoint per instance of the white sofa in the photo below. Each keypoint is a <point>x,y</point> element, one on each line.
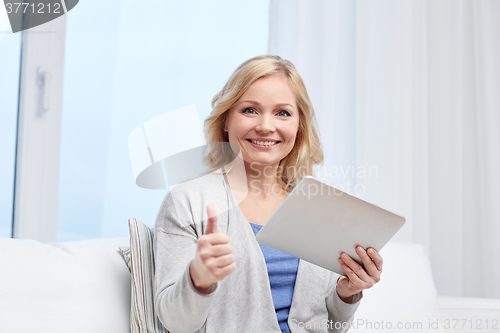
<point>84,286</point>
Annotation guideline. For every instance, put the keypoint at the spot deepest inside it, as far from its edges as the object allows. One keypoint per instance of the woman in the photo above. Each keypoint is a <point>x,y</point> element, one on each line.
<point>211,274</point>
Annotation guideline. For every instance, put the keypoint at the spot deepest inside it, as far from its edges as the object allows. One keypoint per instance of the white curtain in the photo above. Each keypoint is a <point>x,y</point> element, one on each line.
<point>407,98</point>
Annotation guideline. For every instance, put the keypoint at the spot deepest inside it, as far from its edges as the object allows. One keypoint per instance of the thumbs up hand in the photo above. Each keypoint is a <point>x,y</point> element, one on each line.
<point>214,258</point>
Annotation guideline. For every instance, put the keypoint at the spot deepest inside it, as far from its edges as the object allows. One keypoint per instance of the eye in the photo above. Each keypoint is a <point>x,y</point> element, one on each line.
<point>248,109</point>
<point>285,112</point>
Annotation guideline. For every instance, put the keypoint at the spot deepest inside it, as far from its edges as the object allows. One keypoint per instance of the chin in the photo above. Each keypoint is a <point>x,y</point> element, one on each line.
<point>262,162</point>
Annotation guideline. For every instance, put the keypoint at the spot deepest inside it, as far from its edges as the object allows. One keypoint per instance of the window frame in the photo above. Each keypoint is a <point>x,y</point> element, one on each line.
<point>39,132</point>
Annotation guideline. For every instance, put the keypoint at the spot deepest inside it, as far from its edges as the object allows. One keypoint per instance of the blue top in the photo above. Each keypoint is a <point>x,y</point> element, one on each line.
<point>282,270</point>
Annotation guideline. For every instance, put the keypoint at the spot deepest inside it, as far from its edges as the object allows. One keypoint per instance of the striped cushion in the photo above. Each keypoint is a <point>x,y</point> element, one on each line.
<point>125,250</point>
<point>140,260</point>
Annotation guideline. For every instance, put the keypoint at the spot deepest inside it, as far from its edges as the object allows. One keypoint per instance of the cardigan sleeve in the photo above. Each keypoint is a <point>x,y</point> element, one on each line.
<point>179,306</point>
<point>340,314</point>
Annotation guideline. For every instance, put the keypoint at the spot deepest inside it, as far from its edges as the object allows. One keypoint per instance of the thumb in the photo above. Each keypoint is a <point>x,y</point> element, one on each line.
<point>212,220</point>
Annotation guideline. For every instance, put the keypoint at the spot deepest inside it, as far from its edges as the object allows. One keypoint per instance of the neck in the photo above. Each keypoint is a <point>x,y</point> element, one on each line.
<point>262,181</point>
<point>255,180</point>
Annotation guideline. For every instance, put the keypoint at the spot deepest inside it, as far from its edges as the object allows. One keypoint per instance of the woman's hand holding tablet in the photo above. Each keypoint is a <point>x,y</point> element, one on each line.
<point>358,278</point>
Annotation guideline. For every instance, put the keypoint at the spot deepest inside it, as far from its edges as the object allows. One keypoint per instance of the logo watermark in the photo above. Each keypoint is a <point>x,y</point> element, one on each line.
<point>170,149</point>
<point>482,323</point>
<point>24,15</point>
<point>330,172</point>
<point>363,324</point>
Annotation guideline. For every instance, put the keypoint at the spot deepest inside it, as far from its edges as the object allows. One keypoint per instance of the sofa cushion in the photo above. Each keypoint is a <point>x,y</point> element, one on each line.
<point>405,296</point>
<point>467,314</point>
<point>75,287</point>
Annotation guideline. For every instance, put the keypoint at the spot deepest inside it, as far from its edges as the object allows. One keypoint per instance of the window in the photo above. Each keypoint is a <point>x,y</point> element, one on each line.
<point>126,63</point>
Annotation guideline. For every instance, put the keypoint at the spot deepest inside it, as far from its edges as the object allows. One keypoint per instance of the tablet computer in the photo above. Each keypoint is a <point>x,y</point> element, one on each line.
<point>317,222</point>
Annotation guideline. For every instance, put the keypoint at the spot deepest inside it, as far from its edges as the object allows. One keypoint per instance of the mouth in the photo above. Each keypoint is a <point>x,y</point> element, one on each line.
<point>264,143</point>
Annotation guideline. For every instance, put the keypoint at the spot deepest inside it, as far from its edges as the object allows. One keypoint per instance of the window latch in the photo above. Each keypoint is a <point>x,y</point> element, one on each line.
<point>43,78</point>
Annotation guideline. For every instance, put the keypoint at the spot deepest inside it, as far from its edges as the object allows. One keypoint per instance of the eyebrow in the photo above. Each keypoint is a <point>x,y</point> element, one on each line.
<point>257,103</point>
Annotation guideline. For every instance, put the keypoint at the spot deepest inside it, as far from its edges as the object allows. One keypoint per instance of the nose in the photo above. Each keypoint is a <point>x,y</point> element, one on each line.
<point>266,123</point>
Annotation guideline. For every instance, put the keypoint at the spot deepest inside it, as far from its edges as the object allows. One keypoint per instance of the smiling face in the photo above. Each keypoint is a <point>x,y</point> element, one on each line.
<point>264,121</point>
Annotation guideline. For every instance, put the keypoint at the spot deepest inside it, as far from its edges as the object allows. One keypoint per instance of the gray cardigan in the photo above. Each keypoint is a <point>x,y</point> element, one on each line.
<point>242,302</point>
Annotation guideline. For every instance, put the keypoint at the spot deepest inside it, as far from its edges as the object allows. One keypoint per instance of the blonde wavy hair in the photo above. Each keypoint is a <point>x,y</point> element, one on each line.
<point>306,151</point>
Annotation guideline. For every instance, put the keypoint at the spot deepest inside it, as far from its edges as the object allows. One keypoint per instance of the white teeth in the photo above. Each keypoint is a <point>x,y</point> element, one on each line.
<point>264,143</point>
